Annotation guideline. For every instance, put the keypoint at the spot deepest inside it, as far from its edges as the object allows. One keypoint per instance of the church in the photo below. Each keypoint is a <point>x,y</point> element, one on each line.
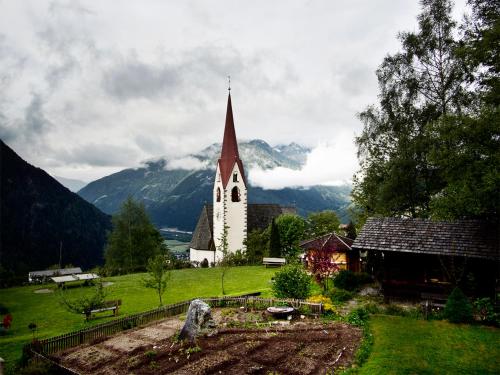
<point>230,210</point>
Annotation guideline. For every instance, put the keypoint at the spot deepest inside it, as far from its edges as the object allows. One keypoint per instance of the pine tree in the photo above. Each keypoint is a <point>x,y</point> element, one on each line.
<point>274,241</point>
<point>133,240</point>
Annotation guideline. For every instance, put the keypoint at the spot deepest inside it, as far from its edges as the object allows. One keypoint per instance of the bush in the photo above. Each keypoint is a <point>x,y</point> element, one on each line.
<point>204,263</point>
<point>346,279</point>
<point>458,308</point>
<point>292,281</point>
<point>340,295</point>
<point>328,307</point>
<point>485,311</point>
<point>351,281</point>
<point>358,317</point>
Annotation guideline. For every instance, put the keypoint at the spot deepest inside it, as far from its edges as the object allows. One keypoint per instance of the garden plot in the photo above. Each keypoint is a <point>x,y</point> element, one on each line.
<point>243,343</point>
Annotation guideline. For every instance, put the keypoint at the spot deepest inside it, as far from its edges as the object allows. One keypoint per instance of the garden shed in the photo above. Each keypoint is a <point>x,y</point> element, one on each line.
<point>414,256</point>
<point>339,246</point>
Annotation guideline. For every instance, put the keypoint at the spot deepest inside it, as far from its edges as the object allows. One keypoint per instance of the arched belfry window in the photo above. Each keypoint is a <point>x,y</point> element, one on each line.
<point>235,177</point>
<point>235,194</point>
<point>218,194</point>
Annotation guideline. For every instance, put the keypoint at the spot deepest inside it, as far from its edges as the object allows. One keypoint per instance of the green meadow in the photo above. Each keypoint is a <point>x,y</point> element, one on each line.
<point>45,310</point>
<point>410,346</point>
<point>401,345</point>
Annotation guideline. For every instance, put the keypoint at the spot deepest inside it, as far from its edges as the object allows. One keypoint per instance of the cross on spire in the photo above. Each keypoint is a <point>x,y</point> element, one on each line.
<point>229,83</point>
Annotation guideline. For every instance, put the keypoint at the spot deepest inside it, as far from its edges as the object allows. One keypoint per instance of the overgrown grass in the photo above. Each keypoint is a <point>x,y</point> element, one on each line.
<point>52,319</point>
<point>409,346</point>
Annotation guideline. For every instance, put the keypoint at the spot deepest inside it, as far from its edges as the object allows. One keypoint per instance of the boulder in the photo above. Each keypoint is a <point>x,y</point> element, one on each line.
<point>199,318</point>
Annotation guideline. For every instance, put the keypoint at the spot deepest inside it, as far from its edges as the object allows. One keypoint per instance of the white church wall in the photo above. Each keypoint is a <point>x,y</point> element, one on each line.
<point>236,213</point>
<point>196,255</point>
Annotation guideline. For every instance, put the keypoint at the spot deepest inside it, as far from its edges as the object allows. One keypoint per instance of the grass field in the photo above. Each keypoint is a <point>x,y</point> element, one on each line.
<point>52,319</point>
<point>410,346</point>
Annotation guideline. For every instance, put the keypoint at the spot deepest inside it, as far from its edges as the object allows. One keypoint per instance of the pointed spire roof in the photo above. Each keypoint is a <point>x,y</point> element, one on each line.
<point>229,154</point>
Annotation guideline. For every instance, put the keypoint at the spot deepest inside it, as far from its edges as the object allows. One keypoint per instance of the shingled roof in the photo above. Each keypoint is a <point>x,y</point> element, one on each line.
<point>328,241</point>
<point>470,238</point>
<point>259,216</point>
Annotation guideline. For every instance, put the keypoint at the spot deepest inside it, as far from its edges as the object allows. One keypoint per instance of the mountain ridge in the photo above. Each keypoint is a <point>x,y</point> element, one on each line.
<point>39,216</point>
<point>173,196</point>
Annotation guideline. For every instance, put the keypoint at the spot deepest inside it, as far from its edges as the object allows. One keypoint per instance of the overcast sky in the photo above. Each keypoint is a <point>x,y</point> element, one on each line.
<point>91,87</point>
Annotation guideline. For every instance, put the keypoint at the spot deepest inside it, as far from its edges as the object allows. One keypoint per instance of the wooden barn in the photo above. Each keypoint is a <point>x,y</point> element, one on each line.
<point>339,246</point>
<point>413,257</point>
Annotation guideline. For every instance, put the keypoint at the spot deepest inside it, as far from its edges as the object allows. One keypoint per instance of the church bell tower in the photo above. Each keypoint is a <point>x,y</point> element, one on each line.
<point>230,192</point>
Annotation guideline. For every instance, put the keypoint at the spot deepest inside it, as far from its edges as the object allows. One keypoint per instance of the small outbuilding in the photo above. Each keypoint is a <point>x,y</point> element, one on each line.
<point>45,275</point>
<point>411,257</point>
<point>339,246</point>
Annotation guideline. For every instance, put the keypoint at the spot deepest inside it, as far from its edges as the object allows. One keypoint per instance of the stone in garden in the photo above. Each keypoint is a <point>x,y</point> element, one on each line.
<point>199,318</point>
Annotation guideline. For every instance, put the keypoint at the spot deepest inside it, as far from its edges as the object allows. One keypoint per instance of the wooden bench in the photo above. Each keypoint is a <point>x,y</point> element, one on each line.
<point>106,306</point>
<point>276,262</point>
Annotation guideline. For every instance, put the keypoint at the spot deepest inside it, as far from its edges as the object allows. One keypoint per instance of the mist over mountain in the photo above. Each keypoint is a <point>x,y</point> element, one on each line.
<point>71,183</point>
<point>174,190</point>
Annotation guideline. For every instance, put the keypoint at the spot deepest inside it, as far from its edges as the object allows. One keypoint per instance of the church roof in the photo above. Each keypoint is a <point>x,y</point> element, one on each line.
<point>259,216</point>
<point>203,234</point>
<point>229,154</point>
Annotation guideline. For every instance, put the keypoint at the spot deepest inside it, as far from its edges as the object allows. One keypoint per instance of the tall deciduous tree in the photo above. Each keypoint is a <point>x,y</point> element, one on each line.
<point>320,223</point>
<point>133,240</point>
<point>291,229</point>
<point>418,86</point>
<point>467,151</point>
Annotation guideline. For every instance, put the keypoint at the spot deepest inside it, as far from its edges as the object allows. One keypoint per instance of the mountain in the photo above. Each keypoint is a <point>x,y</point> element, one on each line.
<point>39,215</point>
<point>173,197</point>
<point>70,183</point>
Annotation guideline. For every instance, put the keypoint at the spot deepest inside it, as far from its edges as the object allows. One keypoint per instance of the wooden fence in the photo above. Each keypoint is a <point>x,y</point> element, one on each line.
<point>42,349</point>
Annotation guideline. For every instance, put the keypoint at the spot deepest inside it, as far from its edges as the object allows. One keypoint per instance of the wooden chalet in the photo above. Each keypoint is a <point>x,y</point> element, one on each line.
<point>339,246</point>
<point>412,257</point>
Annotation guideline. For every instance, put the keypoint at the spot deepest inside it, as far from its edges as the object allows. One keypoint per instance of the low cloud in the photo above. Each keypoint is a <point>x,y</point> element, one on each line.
<point>187,163</point>
<point>327,164</point>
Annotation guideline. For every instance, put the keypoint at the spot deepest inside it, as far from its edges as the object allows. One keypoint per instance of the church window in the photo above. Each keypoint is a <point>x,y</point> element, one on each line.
<point>235,194</point>
<point>218,194</point>
<point>235,177</point>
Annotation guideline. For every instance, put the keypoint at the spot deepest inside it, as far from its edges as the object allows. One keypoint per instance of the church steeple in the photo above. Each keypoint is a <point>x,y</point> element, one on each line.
<point>229,154</point>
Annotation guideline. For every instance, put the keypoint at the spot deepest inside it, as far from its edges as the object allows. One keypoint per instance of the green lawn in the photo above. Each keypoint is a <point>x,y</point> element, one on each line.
<point>410,346</point>
<point>52,319</point>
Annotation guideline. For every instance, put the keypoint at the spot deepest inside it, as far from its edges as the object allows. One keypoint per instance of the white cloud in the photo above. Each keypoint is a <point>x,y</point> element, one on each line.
<point>329,163</point>
<point>187,163</point>
<point>150,76</point>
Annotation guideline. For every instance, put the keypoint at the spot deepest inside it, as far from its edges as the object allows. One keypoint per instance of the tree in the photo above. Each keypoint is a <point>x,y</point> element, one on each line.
<point>91,300</point>
<point>321,265</point>
<point>468,150</point>
<point>257,244</point>
<point>418,85</point>
<point>133,240</point>
<point>350,231</point>
<point>224,262</point>
<point>274,241</point>
<point>291,229</point>
<point>292,281</point>
<point>320,223</point>
<point>158,275</point>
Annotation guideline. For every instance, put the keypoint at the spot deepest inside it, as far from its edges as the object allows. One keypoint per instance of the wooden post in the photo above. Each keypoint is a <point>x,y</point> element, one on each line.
<point>1,366</point>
